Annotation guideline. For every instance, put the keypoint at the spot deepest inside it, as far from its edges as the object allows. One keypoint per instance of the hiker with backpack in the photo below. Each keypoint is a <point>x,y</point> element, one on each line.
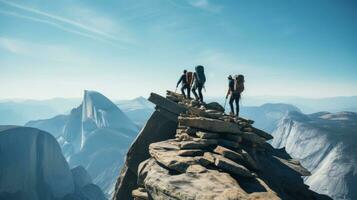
<point>199,80</point>
<point>235,88</point>
<point>186,80</point>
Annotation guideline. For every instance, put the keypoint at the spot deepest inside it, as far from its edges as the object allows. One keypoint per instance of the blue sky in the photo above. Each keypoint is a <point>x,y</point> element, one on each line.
<point>126,48</point>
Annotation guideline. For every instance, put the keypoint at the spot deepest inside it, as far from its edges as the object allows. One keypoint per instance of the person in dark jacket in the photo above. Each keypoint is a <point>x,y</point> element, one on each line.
<point>185,85</point>
<point>235,88</point>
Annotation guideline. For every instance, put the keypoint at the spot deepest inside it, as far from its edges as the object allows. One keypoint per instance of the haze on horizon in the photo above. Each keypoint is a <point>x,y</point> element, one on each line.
<point>126,49</point>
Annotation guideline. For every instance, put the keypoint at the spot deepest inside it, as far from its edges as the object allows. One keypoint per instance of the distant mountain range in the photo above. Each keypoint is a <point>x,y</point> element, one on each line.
<point>306,105</point>
<point>95,135</point>
<point>138,109</point>
<point>267,116</point>
<point>18,112</point>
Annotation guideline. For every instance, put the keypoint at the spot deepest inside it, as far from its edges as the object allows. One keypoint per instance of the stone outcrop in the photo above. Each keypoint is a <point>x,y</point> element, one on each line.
<point>191,150</point>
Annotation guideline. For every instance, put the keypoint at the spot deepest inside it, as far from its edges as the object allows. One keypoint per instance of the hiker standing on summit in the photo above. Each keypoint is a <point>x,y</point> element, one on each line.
<point>235,88</point>
<point>199,80</point>
<point>186,80</point>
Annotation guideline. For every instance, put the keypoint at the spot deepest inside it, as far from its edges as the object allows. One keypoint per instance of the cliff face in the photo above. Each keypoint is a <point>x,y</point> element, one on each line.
<point>32,167</point>
<point>325,144</point>
<point>189,150</point>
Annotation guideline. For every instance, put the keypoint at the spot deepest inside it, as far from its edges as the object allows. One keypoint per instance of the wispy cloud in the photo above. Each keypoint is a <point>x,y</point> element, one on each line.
<point>50,52</point>
<point>205,5</point>
<point>59,26</point>
<point>92,29</point>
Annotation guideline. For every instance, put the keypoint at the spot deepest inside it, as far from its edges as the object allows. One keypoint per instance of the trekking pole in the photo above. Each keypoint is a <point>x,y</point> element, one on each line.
<point>225,103</point>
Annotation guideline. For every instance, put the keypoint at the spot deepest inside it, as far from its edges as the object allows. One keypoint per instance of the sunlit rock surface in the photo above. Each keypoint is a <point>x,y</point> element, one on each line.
<point>188,150</point>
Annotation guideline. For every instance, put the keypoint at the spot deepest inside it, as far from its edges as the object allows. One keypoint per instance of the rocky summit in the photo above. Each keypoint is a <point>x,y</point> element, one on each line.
<point>190,150</point>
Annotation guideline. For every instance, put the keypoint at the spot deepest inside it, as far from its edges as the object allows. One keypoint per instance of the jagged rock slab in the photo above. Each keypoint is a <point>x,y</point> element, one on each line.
<point>262,133</point>
<point>296,166</point>
<point>166,104</point>
<point>211,125</point>
<point>236,157</point>
<point>251,163</point>
<point>252,137</point>
<point>231,166</point>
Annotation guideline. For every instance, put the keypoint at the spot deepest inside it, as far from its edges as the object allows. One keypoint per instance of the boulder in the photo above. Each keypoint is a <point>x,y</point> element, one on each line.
<point>214,106</point>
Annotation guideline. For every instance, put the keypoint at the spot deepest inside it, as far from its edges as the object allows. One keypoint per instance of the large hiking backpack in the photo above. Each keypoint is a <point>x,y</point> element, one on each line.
<point>189,77</point>
<point>239,84</point>
<point>200,72</point>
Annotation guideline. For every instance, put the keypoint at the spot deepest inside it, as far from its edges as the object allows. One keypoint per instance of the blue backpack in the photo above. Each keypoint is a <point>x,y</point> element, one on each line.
<point>201,78</point>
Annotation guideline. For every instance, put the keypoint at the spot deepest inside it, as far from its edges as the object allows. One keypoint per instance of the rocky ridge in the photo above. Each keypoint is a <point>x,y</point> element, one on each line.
<point>189,150</point>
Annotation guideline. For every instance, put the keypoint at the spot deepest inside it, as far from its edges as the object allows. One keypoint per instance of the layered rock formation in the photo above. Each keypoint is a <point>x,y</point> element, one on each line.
<point>189,150</point>
<point>326,144</point>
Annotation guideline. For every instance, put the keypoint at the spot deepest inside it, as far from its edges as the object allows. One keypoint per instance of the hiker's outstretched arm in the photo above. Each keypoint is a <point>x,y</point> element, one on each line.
<point>178,83</point>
